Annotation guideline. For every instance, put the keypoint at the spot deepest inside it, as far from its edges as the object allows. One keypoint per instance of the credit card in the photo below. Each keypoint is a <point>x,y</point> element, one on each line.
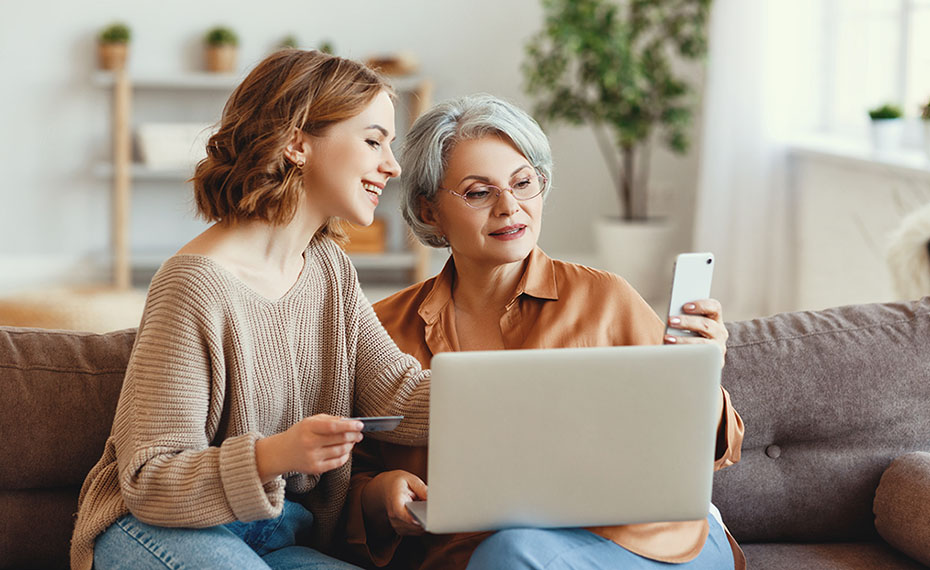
<point>379,423</point>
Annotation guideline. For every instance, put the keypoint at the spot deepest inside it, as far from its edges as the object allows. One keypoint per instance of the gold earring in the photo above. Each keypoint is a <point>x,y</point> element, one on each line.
<point>300,164</point>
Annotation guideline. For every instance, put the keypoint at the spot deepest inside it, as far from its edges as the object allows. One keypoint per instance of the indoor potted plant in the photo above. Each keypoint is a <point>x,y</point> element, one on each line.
<point>288,42</point>
<point>113,46</point>
<point>221,43</point>
<point>612,66</point>
<point>887,126</point>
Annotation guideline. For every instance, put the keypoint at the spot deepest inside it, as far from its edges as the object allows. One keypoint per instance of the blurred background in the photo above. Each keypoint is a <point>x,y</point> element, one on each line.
<point>806,199</point>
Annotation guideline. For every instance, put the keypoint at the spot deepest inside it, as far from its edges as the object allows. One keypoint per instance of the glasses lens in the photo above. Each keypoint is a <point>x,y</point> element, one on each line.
<point>480,196</point>
<point>526,185</point>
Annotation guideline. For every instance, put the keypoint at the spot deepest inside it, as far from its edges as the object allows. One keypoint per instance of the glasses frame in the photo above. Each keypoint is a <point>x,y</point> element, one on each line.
<point>543,182</point>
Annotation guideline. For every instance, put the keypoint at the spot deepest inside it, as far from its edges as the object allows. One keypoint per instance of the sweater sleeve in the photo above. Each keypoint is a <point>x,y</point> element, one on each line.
<point>388,381</point>
<point>171,473</point>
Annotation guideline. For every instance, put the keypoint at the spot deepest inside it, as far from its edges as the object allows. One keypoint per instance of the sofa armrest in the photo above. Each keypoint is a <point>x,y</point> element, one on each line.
<point>902,505</point>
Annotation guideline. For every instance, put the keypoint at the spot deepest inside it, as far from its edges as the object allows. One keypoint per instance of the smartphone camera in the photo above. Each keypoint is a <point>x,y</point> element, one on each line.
<point>710,260</point>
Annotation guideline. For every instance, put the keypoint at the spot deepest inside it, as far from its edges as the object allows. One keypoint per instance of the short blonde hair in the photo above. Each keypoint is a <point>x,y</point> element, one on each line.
<point>246,175</point>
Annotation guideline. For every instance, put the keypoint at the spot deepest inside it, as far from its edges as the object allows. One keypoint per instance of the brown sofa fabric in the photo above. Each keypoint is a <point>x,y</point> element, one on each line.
<point>902,505</point>
<point>829,398</point>
<point>59,391</point>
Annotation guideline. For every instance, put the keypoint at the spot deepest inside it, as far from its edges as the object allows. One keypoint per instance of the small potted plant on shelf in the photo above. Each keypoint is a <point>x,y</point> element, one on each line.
<point>288,42</point>
<point>887,126</point>
<point>925,119</point>
<point>113,46</point>
<point>327,46</point>
<point>221,44</point>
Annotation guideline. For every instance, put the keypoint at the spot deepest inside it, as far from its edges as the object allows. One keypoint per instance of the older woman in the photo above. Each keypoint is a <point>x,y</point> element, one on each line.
<point>476,173</point>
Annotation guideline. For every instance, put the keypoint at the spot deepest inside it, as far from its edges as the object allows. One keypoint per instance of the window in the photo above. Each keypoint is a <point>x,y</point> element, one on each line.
<point>875,51</point>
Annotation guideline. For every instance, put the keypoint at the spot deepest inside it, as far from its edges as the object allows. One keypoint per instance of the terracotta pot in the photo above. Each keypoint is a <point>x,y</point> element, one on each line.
<point>112,56</point>
<point>221,59</point>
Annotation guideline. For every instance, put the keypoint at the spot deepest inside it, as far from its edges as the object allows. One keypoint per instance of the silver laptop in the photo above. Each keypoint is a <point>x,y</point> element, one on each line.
<point>570,437</point>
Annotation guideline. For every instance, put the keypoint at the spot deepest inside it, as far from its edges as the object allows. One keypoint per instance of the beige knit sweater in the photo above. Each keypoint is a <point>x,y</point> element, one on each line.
<point>215,367</point>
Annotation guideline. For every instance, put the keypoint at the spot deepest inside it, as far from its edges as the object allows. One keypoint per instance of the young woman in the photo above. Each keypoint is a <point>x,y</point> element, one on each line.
<point>476,172</point>
<point>230,444</point>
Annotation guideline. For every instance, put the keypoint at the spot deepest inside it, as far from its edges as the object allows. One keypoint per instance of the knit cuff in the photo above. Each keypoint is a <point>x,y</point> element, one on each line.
<point>402,389</point>
<point>247,497</point>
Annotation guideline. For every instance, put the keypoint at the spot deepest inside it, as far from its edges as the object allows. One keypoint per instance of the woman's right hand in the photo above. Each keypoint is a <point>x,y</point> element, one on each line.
<point>387,495</point>
<point>314,445</point>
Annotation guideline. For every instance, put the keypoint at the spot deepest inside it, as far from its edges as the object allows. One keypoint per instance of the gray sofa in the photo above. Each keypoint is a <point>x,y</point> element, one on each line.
<point>830,400</point>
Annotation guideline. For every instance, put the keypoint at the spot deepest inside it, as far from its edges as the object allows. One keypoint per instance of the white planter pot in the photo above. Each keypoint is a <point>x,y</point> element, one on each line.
<point>926,123</point>
<point>887,133</point>
<point>641,252</point>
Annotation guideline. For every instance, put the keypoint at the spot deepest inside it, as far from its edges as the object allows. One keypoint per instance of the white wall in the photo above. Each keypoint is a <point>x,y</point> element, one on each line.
<point>849,209</point>
<point>55,122</point>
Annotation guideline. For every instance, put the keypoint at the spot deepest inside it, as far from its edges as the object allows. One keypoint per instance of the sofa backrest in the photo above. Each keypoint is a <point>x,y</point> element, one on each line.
<point>58,393</point>
<point>829,399</point>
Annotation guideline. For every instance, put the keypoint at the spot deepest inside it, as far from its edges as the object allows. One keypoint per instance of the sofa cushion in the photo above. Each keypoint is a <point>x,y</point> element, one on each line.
<point>59,392</point>
<point>36,526</point>
<point>839,556</point>
<point>829,399</point>
<point>902,505</point>
<point>59,395</point>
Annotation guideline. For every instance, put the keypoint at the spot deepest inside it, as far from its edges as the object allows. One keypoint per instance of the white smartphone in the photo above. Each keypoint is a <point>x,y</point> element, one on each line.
<point>691,282</point>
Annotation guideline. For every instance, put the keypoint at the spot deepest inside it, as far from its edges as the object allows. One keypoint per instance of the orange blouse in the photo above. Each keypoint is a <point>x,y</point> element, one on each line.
<point>556,305</point>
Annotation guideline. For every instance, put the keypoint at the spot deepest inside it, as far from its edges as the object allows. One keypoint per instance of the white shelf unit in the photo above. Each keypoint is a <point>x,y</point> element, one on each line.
<point>413,260</point>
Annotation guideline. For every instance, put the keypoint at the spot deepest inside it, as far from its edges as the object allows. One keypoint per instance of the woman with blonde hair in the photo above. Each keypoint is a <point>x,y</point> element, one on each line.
<point>230,446</point>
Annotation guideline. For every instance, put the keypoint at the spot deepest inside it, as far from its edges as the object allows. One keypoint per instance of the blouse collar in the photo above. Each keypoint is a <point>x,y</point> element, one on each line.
<point>538,280</point>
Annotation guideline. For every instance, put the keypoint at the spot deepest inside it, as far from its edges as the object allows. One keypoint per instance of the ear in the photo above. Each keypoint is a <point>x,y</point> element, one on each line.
<point>298,148</point>
<point>429,215</point>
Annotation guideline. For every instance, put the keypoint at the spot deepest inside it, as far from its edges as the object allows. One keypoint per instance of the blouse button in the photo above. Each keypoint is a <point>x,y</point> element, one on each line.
<point>773,451</point>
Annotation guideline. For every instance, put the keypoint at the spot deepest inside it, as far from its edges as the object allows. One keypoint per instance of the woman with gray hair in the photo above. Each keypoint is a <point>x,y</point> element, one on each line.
<point>476,173</point>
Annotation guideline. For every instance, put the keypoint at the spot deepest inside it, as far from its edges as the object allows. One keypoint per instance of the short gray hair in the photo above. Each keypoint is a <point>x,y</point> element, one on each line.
<point>433,136</point>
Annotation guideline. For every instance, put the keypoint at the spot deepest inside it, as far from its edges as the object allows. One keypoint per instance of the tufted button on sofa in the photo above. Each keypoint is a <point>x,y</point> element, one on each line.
<point>830,399</point>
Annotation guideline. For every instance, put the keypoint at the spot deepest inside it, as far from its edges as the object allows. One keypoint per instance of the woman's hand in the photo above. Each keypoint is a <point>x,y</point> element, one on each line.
<point>703,317</point>
<point>313,445</point>
<point>386,497</point>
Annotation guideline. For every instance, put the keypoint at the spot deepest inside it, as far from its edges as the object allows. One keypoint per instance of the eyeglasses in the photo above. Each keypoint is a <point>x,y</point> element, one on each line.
<point>524,186</point>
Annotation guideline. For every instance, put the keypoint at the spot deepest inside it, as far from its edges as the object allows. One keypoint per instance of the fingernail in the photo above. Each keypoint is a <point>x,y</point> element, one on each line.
<point>689,306</point>
<point>674,321</point>
<point>671,339</point>
<point>359,425</point>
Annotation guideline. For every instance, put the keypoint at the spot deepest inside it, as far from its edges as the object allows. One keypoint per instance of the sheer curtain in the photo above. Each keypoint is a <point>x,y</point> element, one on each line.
<point>762,88</point>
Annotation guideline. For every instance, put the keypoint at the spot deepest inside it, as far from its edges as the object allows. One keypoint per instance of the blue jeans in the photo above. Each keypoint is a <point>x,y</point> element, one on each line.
<point>130,543</point>
<point>576,549</point>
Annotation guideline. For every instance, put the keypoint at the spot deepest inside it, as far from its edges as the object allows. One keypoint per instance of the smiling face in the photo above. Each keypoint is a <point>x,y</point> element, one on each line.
<point>507,231</point>
<point>348,166</point>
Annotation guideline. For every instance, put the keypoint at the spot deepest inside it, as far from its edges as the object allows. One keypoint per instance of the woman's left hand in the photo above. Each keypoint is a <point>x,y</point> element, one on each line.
<point>705,319</point>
